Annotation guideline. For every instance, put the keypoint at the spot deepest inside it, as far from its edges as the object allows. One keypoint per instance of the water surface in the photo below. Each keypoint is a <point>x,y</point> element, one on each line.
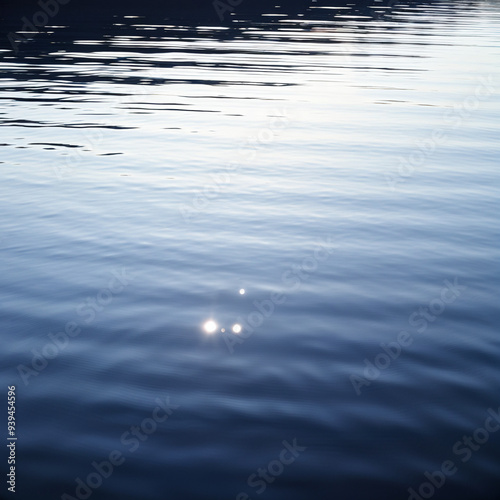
<point>338,164</point>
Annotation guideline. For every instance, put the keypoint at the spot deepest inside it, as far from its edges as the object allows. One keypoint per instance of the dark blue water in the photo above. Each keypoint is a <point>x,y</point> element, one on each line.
<point>254,256</point>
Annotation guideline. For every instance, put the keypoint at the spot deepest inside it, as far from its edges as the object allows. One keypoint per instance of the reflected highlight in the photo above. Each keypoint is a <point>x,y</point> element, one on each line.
<point>210,326</point>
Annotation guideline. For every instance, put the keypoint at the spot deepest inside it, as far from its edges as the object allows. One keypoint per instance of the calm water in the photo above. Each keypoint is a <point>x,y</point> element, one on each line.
<point>324,178</point>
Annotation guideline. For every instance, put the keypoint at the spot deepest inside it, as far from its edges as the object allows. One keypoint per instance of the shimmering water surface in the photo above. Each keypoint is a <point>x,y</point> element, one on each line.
<point>318,178</point>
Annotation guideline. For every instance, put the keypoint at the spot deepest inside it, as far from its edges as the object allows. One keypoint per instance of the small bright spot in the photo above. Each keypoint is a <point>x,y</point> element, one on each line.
<point>242,291</point>
<point>210,326</point>
<point>222,330</point>
<point>236,328</point>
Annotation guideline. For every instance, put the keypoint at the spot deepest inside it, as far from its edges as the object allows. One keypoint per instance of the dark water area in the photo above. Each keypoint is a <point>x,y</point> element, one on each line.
<point>250,250</point>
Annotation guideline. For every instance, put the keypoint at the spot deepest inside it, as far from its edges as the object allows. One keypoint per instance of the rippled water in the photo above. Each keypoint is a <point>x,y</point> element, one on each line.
<point>324,177</point>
